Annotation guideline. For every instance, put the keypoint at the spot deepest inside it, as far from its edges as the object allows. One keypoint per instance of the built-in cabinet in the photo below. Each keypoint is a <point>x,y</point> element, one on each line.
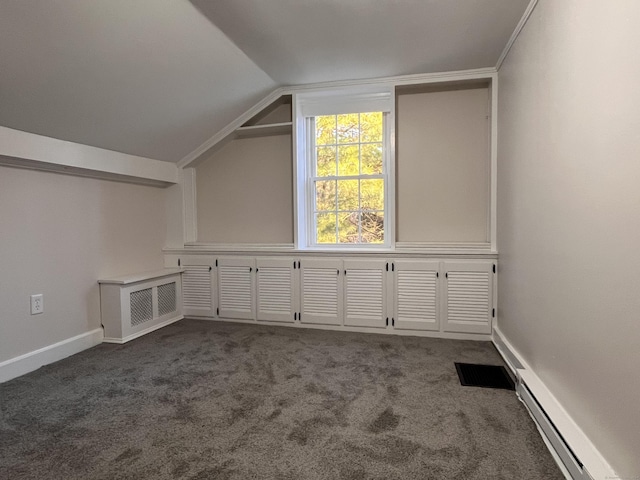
<point>198,285</point>
<point>276,290</point>
<point>404,294</point>
<point>321,284</point>
<point>468,294</point>
<point>416,294</point>
<point>365,293</point>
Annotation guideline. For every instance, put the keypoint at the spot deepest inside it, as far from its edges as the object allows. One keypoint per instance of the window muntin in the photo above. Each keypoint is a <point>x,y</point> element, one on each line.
<point>348,180</point>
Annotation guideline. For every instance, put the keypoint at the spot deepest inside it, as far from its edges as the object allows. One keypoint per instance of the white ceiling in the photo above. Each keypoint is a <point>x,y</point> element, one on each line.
<point>157,78</point>
<point>147,77</point>
<point>309,41</point>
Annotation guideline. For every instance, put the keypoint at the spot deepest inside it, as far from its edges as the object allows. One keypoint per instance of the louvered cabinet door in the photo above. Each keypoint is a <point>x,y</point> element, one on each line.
<point>321,291</point>
<point>416,295</point>
<point>235,288</point>
<point>365,293</point>
<point>275,287</point>
<point>198,286</point>
<point>468,297</point>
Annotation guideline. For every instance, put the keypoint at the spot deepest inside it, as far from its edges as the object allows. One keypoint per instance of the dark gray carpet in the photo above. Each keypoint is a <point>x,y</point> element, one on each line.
<point>205,400</point>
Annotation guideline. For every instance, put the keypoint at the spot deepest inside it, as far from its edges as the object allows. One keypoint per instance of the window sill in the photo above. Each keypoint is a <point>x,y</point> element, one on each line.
<point>400,250</point>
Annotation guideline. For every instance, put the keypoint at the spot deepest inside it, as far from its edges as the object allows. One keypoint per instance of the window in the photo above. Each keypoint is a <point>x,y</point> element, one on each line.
<point>348,179</point>
<point>344,171</point>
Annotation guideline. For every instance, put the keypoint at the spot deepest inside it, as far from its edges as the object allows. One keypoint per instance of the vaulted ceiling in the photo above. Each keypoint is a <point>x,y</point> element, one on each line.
<point>157,78</point>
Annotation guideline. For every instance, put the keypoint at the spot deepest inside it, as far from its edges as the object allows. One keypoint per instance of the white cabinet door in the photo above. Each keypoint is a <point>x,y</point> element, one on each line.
<point>416,294</point>
<point>321,291</point>
<point>198,285</point>
<point>275,288</point>
<point>365,293</point>
<point>468,296</point>
<point>235,288</point>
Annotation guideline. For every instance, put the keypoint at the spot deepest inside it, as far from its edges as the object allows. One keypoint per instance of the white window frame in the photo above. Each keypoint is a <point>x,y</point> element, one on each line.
<point>331,102</point>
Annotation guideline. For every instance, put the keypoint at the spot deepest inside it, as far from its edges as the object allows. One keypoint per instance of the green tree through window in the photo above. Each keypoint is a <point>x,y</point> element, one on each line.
<point>349,180</point>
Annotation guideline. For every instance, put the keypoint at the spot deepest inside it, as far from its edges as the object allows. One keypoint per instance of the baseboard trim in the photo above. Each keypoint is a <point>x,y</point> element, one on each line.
<point>552,420</point>
<point>31,361</point>
<point>142,332</point>
<point>485,337</point>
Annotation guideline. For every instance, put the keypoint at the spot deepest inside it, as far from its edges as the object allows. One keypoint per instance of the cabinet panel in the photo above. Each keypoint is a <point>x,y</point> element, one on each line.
<point>321,291</point>
<point>365,293</point>
<point>235,288</point>
<point>468,297</point>
<point>416,295</point>
<point>275,287</point>
<point>198,282</point>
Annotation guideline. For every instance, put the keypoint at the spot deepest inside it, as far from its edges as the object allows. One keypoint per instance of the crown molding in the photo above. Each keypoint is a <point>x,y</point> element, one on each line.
<point>219,139</point>
<point>514,36</point>
<point>191,160</point>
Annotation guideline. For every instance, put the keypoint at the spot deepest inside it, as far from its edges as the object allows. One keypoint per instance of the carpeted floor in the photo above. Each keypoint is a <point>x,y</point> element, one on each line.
<point>206,400</point>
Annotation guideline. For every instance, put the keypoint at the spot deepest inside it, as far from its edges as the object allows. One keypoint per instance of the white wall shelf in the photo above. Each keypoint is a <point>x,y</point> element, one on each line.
<point>264,130</point>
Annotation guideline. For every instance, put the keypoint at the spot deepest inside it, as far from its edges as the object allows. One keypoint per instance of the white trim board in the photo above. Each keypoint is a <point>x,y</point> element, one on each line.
<point>516,32</point>
<point>594,464</point>
<point>481,337</point>
<point>142,332</point>
<point>36,152</point>
<point>220,137</point>
<point>31,361</point>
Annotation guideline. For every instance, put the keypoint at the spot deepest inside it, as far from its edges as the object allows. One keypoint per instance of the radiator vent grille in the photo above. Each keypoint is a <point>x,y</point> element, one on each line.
<point>166,298</point>
<point>141,306</point>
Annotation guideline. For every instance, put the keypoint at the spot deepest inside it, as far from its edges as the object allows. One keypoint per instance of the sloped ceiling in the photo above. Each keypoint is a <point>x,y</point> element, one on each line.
<point>309,41</point>
<point>157,78</point>
<point>152,78</point>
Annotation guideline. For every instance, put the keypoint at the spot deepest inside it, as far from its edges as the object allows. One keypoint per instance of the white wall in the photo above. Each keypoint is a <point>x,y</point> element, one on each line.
<point>58,235</point>
<point>569,213</point>
<point>245,192</point>
<point>443,168</point>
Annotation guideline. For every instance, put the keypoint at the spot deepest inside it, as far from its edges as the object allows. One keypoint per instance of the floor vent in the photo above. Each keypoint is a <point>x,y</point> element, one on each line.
<point>486,376</point>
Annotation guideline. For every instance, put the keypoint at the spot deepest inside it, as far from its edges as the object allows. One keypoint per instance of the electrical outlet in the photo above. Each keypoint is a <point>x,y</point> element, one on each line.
<point>37,304</point>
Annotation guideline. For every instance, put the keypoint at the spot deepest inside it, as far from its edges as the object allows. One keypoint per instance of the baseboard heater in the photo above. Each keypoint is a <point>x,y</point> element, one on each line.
<point>569,458</point>
<point>134,305</point>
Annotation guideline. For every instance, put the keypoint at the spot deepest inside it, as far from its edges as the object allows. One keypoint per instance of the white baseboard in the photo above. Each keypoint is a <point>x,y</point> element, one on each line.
<point>142,332</point>
<point>566,440</point>
<point>484,337</point>
<point>31,361</point>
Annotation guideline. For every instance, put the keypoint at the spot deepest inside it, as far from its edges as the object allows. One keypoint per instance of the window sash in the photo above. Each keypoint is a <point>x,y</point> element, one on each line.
<point>312,178</point>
